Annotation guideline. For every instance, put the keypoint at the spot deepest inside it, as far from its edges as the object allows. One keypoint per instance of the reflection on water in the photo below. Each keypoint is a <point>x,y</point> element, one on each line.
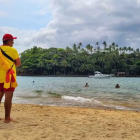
<point>100,93</point>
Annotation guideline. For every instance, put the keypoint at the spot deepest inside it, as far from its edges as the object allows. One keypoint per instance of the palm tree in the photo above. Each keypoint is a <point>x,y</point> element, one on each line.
<point>120,49</point>
<point>88,47</point>
<point>97,43</point>
<point>113,44</point>
<point>105,45</point>
<point>124,49</point>
<point>75,49</point>
<point>79,45</point>
<point>91,48</point>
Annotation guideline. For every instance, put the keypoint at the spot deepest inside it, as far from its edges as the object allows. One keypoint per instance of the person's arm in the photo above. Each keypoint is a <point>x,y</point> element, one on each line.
<point>17,62</point>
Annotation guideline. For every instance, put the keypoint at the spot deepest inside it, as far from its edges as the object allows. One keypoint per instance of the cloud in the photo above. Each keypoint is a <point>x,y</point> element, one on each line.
<point>91,21</point>
<point>75,21</point>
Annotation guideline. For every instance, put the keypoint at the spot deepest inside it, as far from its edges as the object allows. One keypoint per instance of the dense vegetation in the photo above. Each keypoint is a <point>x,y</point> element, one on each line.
<point>79,60</point>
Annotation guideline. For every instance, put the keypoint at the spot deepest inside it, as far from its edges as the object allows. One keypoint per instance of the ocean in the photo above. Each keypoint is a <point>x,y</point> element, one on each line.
<point>71,91</point>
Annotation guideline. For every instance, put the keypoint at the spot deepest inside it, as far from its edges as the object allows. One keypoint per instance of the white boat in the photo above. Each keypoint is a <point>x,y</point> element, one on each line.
<point>99,75</point>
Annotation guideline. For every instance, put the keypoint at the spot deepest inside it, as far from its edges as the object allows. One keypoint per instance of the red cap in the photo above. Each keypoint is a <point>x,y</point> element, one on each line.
<point>8,37</point>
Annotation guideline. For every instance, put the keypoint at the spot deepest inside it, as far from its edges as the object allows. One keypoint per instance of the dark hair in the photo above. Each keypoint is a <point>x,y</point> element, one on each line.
<point>5,41</point>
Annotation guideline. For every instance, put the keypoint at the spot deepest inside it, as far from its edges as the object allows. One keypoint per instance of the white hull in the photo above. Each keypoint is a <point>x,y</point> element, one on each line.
<point>99,75</point>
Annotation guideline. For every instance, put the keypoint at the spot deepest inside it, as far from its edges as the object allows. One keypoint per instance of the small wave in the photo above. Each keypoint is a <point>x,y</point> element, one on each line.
<point>38,91</point>
<point>56,95</point>
<point>78,90</point>
<point>80,99</point>
<point>117,107</point>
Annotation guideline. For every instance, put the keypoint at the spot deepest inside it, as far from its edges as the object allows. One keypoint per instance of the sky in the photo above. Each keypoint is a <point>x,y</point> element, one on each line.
<point>61,23</point>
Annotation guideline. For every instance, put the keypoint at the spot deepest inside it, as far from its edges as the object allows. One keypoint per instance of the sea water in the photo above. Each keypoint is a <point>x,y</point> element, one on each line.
<point>71,91</point>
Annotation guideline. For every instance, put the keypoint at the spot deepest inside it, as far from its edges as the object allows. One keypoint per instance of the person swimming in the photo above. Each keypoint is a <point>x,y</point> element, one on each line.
<point>86,85</point>
<point>117,86</point>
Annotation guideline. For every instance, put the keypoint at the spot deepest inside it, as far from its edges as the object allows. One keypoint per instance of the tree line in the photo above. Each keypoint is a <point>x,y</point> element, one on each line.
<point>78,60</point>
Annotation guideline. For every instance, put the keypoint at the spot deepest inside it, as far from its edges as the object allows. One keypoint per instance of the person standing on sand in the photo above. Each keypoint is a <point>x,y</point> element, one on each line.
<point>9,59</point>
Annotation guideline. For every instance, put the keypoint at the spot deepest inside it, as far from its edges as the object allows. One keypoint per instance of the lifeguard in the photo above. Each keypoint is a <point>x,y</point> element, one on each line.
<point>9,59</point>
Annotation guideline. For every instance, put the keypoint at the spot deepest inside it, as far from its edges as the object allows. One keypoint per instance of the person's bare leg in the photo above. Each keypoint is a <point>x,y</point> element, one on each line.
<point>8,105</point>
<point>1,95</point>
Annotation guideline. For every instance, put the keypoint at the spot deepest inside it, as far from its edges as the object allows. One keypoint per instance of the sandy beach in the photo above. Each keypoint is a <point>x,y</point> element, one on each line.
<point>36,122</point>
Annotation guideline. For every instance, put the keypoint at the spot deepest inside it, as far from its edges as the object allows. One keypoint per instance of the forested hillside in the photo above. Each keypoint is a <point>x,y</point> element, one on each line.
<point>80,60</point>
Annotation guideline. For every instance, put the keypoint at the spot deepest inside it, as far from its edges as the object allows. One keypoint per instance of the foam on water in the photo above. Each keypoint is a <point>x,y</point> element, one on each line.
<point>79,99</point>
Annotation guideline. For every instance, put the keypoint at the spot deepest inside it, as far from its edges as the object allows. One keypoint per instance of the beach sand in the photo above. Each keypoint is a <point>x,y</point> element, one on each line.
<point>65,123</point>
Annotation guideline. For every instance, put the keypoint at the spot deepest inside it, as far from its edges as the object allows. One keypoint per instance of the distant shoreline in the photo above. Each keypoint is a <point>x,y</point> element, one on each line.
<point>71,75</point>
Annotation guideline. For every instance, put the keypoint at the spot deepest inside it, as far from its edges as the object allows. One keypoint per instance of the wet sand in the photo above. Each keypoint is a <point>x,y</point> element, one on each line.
<point>36,122</point>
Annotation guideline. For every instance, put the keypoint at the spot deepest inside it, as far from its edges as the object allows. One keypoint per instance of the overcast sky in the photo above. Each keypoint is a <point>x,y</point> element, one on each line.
<point>61,23</point>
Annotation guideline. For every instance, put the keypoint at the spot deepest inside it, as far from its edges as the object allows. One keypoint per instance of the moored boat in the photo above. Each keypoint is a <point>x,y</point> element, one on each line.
<point>99,75</point>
